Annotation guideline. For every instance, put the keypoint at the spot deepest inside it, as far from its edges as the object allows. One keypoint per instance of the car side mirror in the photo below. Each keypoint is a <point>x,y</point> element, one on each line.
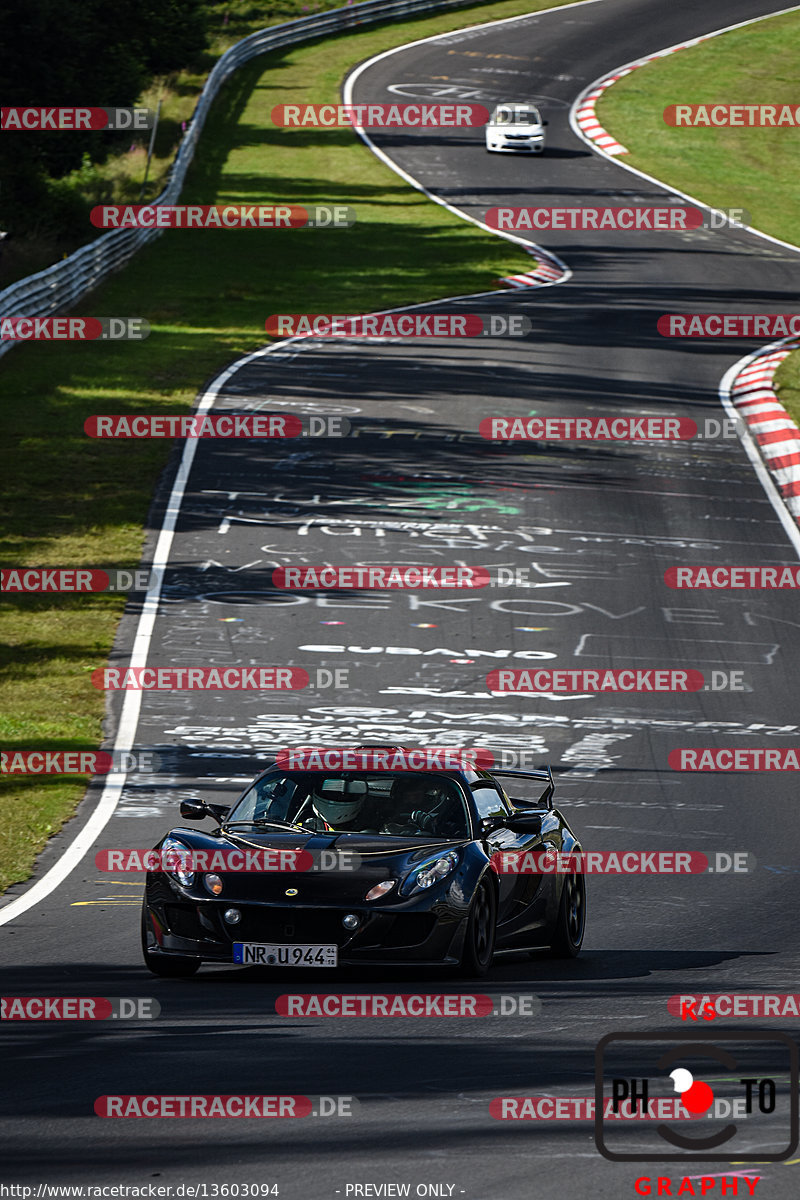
<point>198,810</point>
<point>545,122</point>
<point>193,810</point>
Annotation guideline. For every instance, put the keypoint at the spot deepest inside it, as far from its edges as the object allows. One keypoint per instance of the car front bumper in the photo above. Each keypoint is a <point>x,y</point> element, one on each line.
<point>531,145</point>
<point>409,933</point>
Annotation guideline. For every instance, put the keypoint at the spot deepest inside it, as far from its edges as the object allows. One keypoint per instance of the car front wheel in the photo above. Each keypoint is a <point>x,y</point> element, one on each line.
<point>481,933</point>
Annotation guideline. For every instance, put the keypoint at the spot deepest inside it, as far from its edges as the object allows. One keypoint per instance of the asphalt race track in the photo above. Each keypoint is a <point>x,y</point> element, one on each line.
<point>595,525</point>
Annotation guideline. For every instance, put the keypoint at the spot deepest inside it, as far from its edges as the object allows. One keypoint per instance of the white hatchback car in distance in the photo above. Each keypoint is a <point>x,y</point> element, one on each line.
<point>516,127</point>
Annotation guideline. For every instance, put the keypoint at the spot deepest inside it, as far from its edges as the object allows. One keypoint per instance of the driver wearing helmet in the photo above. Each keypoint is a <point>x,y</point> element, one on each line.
<point>409,792</point>
<point>422,803</point>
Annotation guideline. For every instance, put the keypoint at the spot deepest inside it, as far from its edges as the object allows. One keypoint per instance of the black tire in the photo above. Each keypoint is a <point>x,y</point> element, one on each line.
<point>571,920</point>
<point>166,966</point>
<point>479,940</point>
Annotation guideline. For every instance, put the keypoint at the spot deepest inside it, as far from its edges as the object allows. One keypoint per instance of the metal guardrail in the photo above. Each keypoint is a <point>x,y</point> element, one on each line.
<point>60,286</point>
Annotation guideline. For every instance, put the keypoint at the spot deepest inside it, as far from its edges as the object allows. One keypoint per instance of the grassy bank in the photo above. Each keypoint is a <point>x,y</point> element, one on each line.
<point>754,169</point>
<point>206,294</point>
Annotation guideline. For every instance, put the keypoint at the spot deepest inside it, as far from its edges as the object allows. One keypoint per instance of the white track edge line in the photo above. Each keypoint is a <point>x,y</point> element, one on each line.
<point>115,782</point>
<point>131,706</point>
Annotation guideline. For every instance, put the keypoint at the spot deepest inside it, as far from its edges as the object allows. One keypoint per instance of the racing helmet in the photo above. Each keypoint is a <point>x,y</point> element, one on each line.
<point>409,788</point>
<point>339,801</point>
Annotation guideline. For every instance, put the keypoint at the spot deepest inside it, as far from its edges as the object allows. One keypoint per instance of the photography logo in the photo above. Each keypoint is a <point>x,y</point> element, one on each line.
<point>740,1093</point>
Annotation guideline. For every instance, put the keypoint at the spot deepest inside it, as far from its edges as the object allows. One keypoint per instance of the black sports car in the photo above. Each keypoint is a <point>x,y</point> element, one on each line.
<point>391,868</point>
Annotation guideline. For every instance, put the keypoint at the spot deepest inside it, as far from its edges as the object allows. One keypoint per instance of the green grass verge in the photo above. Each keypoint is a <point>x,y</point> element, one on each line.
<point>753,169</point>
<point>787,385</point>
<point>73,502</point>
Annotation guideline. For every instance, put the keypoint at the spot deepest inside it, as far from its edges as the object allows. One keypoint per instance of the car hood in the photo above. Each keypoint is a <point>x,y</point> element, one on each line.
<point>359,843</point>
<point>346,865</point>
<point>526,129</point>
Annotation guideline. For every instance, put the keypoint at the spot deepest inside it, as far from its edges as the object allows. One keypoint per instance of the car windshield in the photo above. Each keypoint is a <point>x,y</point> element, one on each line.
<point>395,804</point>
<point>519,114</point>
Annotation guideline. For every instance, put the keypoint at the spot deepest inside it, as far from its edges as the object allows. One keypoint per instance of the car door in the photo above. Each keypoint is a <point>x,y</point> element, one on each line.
<point>517,893</point>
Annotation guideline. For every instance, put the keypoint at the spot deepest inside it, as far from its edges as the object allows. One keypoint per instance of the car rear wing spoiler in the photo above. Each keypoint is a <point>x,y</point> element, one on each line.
<point>545,775</point>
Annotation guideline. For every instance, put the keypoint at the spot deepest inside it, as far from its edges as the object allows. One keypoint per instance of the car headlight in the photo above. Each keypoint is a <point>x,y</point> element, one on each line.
<point>183,853</point>
<point>429,873</point>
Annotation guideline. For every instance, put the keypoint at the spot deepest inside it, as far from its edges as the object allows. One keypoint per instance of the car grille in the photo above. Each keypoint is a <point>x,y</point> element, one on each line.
<point>290,925</point>
<point>281,926</point>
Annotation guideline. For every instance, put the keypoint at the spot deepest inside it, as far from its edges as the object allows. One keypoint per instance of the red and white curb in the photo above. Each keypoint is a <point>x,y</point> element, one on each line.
<point>587,121</point>
<point>776,434</point>
<point>583,114</point>
<point>548,270</point>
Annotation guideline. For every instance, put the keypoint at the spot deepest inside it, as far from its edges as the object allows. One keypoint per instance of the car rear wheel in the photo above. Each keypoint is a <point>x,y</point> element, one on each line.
<point>571,921</point>
<point>166,966</point>
<point>481,933</point>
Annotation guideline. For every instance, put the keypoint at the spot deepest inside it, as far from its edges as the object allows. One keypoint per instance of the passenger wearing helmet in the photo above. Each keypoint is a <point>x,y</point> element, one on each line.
<point>337,808</point>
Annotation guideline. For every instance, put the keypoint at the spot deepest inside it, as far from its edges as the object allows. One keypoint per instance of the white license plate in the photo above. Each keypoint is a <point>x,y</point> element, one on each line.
<point>286,955</point>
